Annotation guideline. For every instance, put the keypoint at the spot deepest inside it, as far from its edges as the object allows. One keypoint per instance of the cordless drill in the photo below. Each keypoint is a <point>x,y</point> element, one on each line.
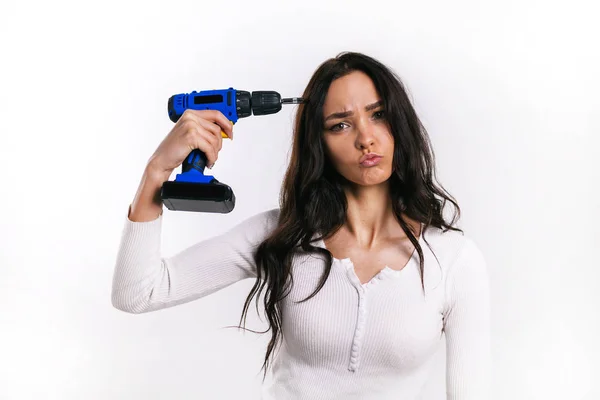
<point>192,190</point>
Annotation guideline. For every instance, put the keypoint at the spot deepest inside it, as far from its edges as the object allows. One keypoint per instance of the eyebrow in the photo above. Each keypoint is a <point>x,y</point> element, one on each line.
<point>348,113</point>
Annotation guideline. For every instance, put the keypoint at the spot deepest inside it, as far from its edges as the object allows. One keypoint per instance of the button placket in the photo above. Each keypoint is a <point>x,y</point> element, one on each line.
<point>359,331</point>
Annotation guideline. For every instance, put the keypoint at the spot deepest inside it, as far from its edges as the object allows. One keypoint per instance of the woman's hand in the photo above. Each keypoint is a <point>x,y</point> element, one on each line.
<point>196,129</point>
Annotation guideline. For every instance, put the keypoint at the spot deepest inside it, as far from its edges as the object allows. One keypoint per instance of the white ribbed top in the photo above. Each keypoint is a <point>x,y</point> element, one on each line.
<point>351,341</point>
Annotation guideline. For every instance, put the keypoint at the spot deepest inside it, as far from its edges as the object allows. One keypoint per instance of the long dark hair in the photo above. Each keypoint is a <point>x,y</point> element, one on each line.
<point>312,200</point>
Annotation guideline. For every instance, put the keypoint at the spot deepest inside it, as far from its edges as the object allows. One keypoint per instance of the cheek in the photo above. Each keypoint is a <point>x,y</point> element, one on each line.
<point>339,152</point>
<point>388,144</point>
<point>387,138</point>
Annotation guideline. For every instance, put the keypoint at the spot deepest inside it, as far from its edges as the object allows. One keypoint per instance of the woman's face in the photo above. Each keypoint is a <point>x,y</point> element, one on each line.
<point>357,135</point>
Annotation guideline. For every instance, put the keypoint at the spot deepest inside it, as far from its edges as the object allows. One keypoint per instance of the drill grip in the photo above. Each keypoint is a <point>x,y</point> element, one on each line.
<point>195,160</point>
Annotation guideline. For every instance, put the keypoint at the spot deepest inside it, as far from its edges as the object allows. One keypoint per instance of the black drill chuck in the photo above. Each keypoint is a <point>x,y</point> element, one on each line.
<point>261,102</point>
<point>266,102</point>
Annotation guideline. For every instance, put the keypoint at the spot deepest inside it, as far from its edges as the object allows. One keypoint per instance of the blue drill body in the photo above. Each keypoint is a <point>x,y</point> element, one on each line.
<point>223,100</point>
<point>192,190</point>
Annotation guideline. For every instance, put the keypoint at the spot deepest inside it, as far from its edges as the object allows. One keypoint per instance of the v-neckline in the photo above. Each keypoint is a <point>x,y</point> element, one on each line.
<point>386,271</point>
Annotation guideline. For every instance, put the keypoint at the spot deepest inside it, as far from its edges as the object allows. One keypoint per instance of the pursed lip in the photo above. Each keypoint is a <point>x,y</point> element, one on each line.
<point>368,156</point>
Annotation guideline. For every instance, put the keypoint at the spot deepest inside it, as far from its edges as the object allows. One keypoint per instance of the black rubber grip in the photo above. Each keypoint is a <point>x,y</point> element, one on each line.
<point>196,160</point>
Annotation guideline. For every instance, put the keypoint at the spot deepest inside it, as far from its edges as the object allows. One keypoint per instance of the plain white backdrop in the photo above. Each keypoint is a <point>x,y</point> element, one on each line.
<point>508,91</point>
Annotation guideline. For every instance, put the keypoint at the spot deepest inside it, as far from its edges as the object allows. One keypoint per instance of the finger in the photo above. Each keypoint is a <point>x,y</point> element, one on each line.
<point>211,133</point>
<point>198,135</point>
<point>204,145</point>
<point>220,119</point>
<point>214,131</point>
<point>216,117</point>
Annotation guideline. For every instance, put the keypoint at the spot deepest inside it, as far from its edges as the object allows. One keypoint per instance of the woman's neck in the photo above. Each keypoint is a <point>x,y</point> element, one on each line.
<point>370,215</point>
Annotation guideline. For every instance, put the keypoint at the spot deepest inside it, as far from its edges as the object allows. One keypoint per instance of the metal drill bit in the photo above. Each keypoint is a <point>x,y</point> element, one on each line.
<point>292,100</point>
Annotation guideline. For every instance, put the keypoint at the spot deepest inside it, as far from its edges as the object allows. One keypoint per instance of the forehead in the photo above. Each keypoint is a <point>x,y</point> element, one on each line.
<point>352,91</point>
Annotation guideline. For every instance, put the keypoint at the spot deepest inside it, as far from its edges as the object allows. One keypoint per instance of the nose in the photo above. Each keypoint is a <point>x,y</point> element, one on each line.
<point>365,138</point>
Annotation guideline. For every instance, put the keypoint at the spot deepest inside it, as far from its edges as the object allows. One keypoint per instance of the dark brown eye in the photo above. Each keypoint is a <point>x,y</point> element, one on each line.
<point>337,127</point>
<point>378,114</point>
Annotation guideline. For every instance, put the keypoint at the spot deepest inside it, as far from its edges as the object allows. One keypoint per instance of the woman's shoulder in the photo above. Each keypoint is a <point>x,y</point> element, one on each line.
<point>452,245</point>
<point>447,240</point>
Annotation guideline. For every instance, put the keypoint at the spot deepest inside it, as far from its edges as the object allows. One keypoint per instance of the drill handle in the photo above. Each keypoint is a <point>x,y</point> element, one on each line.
<point>195,160</point>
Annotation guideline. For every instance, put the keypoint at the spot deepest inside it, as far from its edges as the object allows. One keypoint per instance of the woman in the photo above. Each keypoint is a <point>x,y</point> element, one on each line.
<point>356,304</point>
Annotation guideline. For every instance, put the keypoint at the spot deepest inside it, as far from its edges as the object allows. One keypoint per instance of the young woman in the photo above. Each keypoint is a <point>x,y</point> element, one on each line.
<point>356,304</point>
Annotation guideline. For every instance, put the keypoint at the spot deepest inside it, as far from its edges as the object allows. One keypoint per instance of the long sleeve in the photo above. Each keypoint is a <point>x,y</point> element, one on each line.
<point>467,326</point>
<point>144,280</point>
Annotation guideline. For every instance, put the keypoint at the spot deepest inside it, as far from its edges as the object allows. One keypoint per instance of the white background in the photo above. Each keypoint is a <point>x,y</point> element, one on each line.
<point>508,91</point>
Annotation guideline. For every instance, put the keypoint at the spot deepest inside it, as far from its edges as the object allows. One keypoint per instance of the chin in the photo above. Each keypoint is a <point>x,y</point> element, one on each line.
<point>370,177</point>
